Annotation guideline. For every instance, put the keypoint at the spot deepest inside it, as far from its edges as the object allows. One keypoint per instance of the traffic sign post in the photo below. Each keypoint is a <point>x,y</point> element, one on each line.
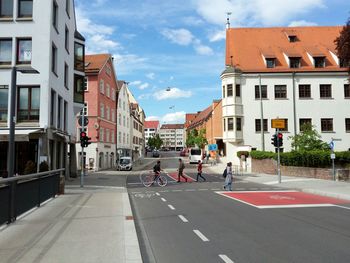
<point>331,145</point>
<point>278,158</point>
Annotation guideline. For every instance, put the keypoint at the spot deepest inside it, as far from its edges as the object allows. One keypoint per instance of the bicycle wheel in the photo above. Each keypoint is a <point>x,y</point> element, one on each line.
<point>162,181</point>
<point>147,179</point>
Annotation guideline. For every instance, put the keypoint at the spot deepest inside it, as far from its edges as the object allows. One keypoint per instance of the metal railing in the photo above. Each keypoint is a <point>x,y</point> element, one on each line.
<point>22,193</point>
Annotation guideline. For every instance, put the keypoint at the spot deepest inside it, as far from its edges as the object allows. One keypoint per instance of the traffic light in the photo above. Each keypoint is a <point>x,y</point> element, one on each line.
<point>84,139</point>
<point>279,139</point>
<point>274,140</point>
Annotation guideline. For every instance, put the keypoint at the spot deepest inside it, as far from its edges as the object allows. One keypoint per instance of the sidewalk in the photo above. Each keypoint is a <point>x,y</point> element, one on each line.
<point>309,185</point>
<point>83,225</point>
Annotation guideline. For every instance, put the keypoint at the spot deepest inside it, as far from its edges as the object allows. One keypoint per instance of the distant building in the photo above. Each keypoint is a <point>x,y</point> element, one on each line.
<point>173,135</point>
<point>151,129</point>
<point>290,73</point>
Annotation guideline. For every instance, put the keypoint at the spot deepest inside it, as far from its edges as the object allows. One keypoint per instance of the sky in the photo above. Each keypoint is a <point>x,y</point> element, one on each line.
<point>172,52</point>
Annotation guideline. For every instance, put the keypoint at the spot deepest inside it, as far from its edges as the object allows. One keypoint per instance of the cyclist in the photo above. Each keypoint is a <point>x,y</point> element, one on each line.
<point>156,170</point>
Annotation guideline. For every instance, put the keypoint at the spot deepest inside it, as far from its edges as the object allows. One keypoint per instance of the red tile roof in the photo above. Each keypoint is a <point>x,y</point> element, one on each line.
<point>204,114</point>
<point>151,124</point>
<point>246,47</point>
<point>189,118</point>
<point>94,63</point>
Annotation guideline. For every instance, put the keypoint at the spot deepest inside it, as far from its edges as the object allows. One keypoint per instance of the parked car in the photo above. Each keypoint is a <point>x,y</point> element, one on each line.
<point>155,153</point>
<point>183,153</point>
<point>125,164</point>
<point>195,155</point>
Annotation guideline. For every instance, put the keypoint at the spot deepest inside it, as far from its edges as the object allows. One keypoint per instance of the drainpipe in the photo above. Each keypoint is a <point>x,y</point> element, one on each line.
<point>294,106</point>
<point>261,117</point>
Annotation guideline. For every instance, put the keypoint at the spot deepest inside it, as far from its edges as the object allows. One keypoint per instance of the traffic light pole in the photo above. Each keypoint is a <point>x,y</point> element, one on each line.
<point>82,164</point>
<point>278,159</point>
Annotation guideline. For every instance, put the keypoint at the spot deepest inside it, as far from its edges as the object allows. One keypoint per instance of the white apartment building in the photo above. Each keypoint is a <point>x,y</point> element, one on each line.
<point>287,73</point>
<point>41,35</point>
<point>151,129</point>
<point>173,135</point>
<point>124,121</point>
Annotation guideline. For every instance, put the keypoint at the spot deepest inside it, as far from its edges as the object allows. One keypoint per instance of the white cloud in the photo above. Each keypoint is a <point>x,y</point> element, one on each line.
<point>217,36</point>
<point>302,23</point>
<point>143,86</point>
<point>180,36</point>
<point>150,75</point>
<point>135,83</point>
<point>144,96</point>
<point>152,118</point>
<point>173,93</point>
<point>139,84</point>
<point>203,50</point>
<point>176,117</point>
<point>193,21</point>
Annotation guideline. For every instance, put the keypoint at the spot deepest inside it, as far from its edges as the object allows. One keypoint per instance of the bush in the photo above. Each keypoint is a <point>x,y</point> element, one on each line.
<point>262,155</point>
<point>30,167</point>
<point>240,153</point>
<point>343,158</point>
<point>317,158</point>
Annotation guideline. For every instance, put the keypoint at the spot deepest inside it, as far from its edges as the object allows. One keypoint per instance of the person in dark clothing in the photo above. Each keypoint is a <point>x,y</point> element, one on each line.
<point>156,170</point>
<point>180,170</point>
<point>199,171</point>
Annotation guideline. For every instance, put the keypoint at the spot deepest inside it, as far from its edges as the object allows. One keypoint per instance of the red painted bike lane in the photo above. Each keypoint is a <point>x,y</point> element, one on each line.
<point>174,176</point>
<point>282,199</point>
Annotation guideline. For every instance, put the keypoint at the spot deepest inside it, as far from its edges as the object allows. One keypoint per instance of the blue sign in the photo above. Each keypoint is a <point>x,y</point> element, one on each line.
<point>331,145</point>
<point>212,147</point>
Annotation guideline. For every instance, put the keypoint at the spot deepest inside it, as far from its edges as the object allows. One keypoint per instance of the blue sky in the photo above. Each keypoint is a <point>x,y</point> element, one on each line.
<point>180,44</point>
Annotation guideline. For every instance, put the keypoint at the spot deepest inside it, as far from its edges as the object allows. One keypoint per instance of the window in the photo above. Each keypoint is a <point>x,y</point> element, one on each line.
<point>347,124</point>
<point>123,105</point>
<point>54,59</point>
<point>24,51</point>
<point>263,92</point>
<point>102,86</point>
<point>319,62</point>
<point>102,110</point>
<point>238,124</point>
<point>123,137</point>
<point>238,90</point>
<point>286,125</point>
<point>85,109</point>
<point>229,90</point>
<point>5,51</point>
<point>280,91</point>
<point>55,15</point>
<point>68,7</point>
<point>346,90</point>
<point>66,39</point>
<point>6,8</point>
<point>113,115</point>
<point>108,90</point>
<point>120,103</point>
<point>230,124</point>
<point>28,105</point>
<point>292,38</point>
<point>120,137</point>
<point>304,91</point>
<point>258,125</point>
<point>326,125</point>
<point>112,136</point>
<point>4,93</point>
<point>107,135</point>
<point>224,124</point>
<point>270,62</point>
<point>86,86</point>
<point>113,94</point>
<point>78,88</point>
<point>102,135</point>
<point>66,71</point>
<point>303,122</point>
<point>223,91</point>
<point>59,109</point>
<point>120,119</point>
<point>107,113</point>
<point>65,115</point>
<point>52,107</point>
<point>124,122</point>
<point>294,62</point>
<point>79,53</point>
<point>326,91</point>
<point>25,8</point>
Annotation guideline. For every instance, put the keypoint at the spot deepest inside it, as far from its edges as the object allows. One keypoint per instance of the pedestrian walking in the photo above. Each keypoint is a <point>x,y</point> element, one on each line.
<point>181,170</point>
<point>199,171</point>
<point>229,177</point>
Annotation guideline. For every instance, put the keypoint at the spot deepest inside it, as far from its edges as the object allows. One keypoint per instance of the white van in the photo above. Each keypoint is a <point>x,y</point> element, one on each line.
<point>125,163</point>
<point>195,155</point>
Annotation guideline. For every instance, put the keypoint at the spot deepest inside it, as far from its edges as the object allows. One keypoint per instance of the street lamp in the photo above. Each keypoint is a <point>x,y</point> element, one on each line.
<point>11,145</point>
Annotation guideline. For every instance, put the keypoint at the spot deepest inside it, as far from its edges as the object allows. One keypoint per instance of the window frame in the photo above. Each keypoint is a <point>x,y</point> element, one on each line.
<point>258,125</point>
<point>269,61</point>
<point>325,93</point>
<point>238,124</point>
<point>19,9</point>
<point>18,61</point>
<point>54,58</point>
<point>29,101</point>
<point>4,111</point>
<point>66,38</point>
<point>229,92</point>
<point>347,124</point>
<point>294,62</point>
<point>59,109</point>
<point>280,92</point>
<point>347,91</point>
<point>238,90</point>
<point>66,76</point>
<point>304,91</point>
<point>327,125</point>
<point>303,121</point>
<point>55,15</point>
<point>7,16</point>
<point>7,62</point>
<point>319,62</point>
<point>263,91</point>
<point>52,108</point>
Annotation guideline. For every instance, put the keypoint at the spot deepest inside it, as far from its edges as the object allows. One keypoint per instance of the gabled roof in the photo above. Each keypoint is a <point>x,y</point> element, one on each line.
<point>172,126</point>
<point>120,84</point>
<point>204,114</point>
<point>151,124</point>
<point>247,47</point>
<point>94,63</point>
<point>189,117</point>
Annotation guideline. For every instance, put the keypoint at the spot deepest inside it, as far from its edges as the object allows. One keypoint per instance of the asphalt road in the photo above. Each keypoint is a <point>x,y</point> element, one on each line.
<point>191,222</point>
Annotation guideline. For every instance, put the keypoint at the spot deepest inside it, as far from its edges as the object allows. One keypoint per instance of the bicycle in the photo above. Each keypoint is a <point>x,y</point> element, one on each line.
<point>149,177</point>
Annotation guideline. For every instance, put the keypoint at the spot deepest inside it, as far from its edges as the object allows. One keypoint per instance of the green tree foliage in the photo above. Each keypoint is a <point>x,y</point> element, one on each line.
<point>308,140</point>
<point>343,44</point>
<point>195,138</point>
<point>191,136</point>
<point>155,142</point>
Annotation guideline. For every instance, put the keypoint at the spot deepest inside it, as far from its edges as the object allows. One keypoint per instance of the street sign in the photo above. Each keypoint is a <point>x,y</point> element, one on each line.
<point>212,147</point>
<point>331,145</point>
<point>332,156</point>
<point>86,121</point>
<point>278,123</point>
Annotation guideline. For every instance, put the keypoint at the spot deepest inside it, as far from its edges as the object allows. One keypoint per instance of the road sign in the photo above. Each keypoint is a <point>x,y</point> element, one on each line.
<point>332,156</point>
<point>86,121</point>
<point>212,147</point>
<point>278,123</point>
<point>331,145</point>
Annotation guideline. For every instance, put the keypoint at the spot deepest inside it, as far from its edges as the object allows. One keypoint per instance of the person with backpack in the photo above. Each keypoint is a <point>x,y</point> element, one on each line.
<point>228,177</point>
<point>199,171</point>
<point>180,170</point>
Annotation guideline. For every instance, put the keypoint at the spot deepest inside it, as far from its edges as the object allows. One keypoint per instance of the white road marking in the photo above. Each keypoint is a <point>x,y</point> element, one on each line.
<point>226,259</point>
<point>190,190</point>
<point>163,199</point>
<point>171,207</point>
<point>290,180</point>
<point>203,189</point>
<point>183,218</point>
<point>158,194</point>
<point>176,190</point>
<point>345,207</point>
<point>200,235</point>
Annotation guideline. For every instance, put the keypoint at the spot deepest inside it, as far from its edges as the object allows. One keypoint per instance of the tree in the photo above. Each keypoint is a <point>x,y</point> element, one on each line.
<point>308,139</point>
<point>195,138</point>
<point>343,45</point>
<point>155,142</point>
<point>191,136</point>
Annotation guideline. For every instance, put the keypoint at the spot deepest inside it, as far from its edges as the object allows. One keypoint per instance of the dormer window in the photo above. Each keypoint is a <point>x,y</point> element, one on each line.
<point>294,62</point>
<point>292,38</point>
<point>270,62</point>
<point>319,62</point>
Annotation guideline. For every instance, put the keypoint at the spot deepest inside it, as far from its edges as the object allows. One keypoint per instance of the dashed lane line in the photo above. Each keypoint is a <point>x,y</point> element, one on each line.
<point>163,199</point>
<point>200,235</point>
<point>183,218</point>
<point>158,194</point>
<point>226,259</point>
<point>171,207</point>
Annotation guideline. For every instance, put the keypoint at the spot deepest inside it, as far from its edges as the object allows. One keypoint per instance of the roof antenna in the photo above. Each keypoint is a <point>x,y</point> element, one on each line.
<point>228,20</point>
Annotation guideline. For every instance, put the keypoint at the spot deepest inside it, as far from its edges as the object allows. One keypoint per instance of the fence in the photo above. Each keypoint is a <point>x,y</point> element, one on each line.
<point>21,193</point>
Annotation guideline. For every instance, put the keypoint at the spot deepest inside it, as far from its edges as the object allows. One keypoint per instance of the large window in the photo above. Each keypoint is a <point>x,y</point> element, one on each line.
<point>5,51</point>
<point>6,8</point>
<point>327,125</point>
<point>347,124</point>
<point>258,125</point>
<point>238,90</point>
<point>326,91</point>
<point>59,110</point>
<point>280,91</point>
<point>79,56</point>
<point>102,86</point>
<point>102,110</point>
<point>304,91</point>
<point>25,8</point>
<point>230,124</point>
<point>346,90</point>
<point>263,91</point>
<point>55,15</point>
<point>238,124</point>
<point>78,88</point>
<point>303,122</point>
<point>28,106</point>
<point>54,59</point>
<point>229,90</point>
<point>52,107</point>
<point>4,92</point>
<point>24,51</point>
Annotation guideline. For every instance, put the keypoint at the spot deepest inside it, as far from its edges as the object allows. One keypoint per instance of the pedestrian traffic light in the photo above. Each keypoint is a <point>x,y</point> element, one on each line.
<point>279,139</point>
<point>84,139</point>
<point>87,141</point>
<point>274,140</point>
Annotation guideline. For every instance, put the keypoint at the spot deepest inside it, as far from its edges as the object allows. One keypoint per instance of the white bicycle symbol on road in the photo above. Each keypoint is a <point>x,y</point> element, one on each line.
<point>281,197</point>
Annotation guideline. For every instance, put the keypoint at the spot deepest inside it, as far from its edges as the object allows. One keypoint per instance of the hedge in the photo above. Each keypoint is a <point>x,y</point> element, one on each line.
<point>316,158</point>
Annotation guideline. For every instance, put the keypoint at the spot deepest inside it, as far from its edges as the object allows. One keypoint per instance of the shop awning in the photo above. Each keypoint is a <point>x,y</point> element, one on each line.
<point>20,135</point>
